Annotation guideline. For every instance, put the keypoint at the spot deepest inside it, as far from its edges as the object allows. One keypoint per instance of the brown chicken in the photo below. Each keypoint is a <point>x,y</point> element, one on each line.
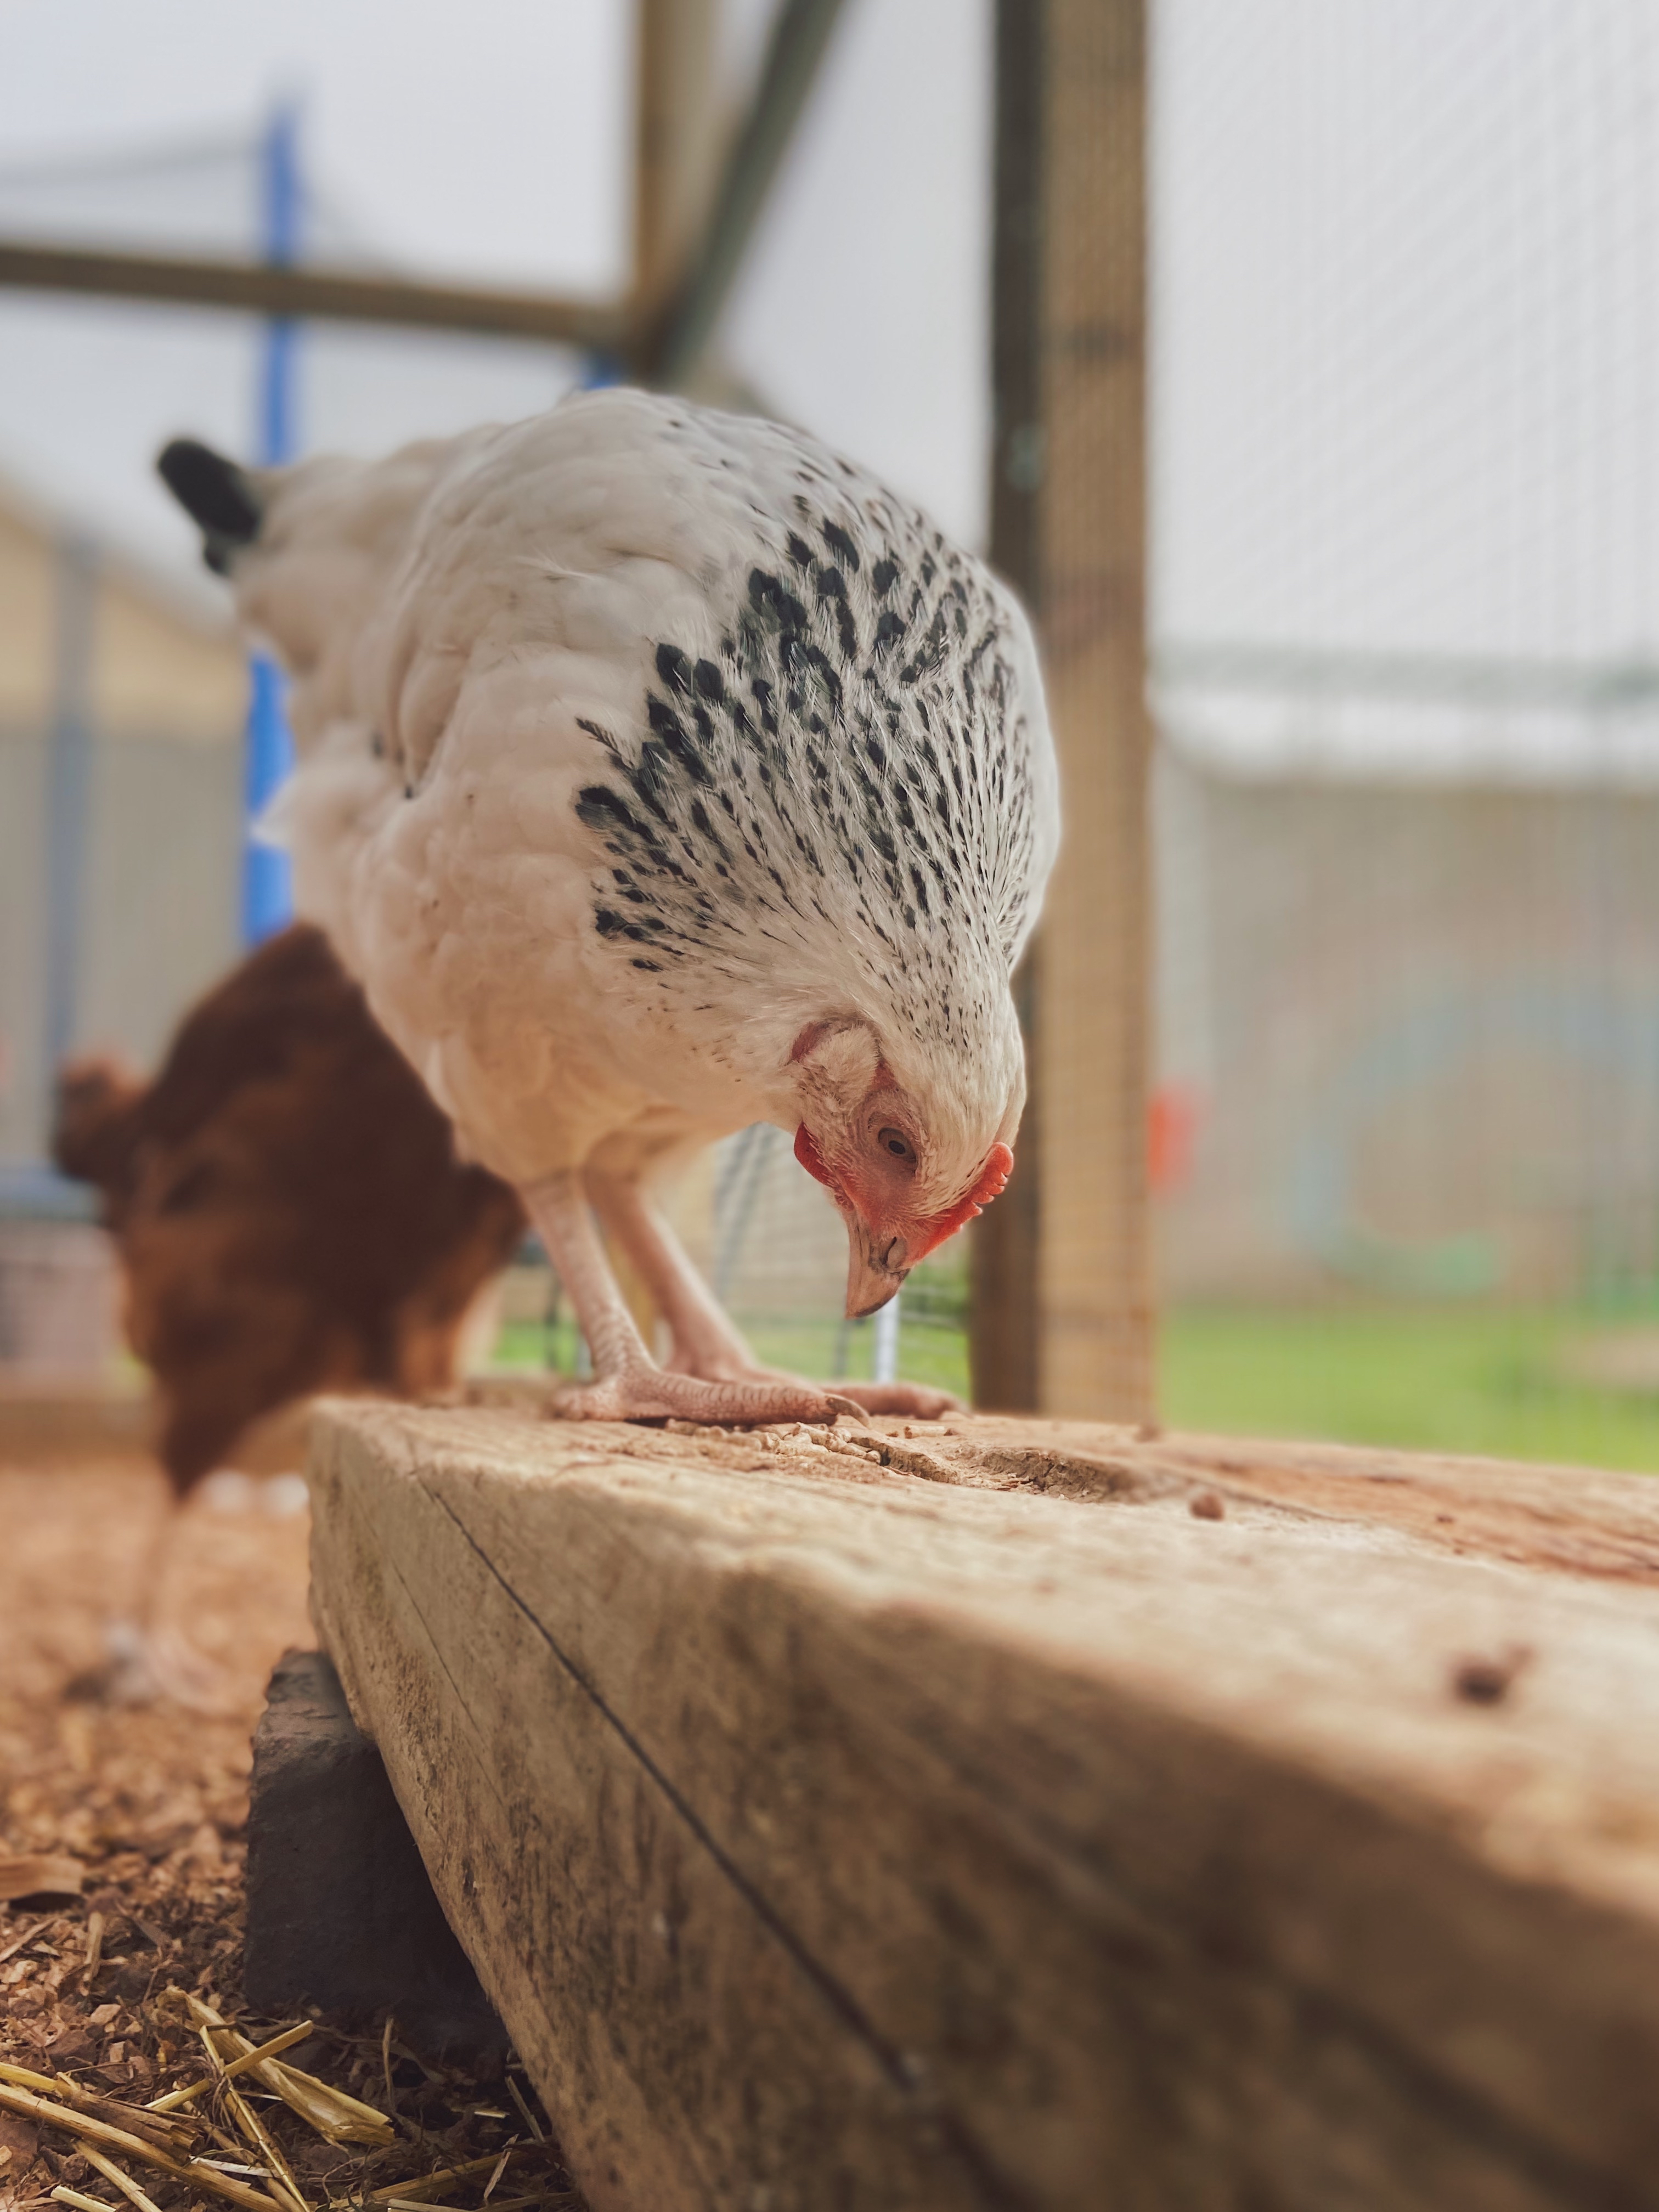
<point>290,1216</point>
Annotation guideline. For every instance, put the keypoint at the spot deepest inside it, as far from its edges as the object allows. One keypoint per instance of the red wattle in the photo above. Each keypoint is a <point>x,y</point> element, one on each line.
<point>811,1157</point>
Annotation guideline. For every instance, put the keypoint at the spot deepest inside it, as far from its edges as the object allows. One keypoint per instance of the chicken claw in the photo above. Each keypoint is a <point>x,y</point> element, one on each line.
<point>913,1400</point>
<point>647,1393</point>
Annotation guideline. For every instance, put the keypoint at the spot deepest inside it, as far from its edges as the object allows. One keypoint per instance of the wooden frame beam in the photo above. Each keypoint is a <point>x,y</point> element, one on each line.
<point>680,141</point>
<point>249,288</point>
<point>671,347</point>
<point>1005,1333</point>
<point>694,220</point>
<point>1094,1026</point>
<point>1063,1289</point>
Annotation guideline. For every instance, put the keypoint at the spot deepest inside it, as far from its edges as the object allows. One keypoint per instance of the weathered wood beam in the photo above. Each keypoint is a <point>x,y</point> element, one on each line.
<point>1042,1819</point>
<point>190,281</point>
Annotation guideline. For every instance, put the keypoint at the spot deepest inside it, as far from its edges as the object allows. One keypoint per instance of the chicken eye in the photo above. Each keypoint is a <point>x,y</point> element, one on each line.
<point>895,1142</point>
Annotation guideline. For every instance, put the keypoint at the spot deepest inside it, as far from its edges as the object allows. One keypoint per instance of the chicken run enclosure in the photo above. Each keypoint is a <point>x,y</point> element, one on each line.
<point>1197,1762</point>
<point>1397,1061</point>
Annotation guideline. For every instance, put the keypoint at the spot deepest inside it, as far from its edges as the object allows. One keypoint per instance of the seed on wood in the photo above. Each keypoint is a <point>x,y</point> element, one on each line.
<point>1207,1506</point>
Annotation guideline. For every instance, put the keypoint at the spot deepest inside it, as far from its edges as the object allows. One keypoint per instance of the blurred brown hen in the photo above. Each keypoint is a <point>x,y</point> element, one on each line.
<point>287,1203</point>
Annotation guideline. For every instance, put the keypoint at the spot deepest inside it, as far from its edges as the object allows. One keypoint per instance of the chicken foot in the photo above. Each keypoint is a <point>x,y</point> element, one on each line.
<point>704,1342</point>
<point>149,1659</point>
<point>628,1384</point>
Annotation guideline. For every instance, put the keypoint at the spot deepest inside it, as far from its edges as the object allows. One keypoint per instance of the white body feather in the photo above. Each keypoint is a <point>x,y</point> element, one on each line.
<point>540,812</point>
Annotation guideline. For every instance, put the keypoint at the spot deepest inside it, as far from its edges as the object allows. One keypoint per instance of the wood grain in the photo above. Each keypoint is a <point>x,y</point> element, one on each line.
<point>988,1828</point>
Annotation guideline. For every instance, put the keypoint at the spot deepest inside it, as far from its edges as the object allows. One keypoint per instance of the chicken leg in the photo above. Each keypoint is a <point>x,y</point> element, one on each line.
<point>628,1384</point>
<point>149,1659</point>
<point>704,1343</point>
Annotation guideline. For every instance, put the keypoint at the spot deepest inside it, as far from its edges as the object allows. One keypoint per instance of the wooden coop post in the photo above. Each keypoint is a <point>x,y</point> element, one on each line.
<point>1062,1290</point>
<point>679,139</point>
<point>678,142</point>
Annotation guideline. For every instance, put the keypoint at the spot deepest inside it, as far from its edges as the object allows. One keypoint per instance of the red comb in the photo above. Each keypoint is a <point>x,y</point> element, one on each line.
<point>993,1175</point>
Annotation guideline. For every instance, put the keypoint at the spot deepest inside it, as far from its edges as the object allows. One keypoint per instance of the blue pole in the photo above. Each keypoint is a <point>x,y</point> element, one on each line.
<point>267,891</point>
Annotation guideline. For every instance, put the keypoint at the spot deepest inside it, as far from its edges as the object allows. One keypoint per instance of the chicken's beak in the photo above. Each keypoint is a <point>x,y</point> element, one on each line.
<point>876,1266</point>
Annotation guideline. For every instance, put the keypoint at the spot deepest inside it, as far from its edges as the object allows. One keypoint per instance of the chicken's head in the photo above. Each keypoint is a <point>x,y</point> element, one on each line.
<point>906,1167</point>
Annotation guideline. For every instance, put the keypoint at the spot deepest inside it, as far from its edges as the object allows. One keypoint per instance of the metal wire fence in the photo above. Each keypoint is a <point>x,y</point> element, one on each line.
<point>1407,638</point>
<point>1405,611</point>
<point>1405,593</point>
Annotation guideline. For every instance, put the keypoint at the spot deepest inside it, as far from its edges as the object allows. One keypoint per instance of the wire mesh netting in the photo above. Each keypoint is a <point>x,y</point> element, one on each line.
<point>773,1246</point>
<point>1405,268</point>
<point>88,388</point>
<point>1407,451</point>
<point>1405,439</point>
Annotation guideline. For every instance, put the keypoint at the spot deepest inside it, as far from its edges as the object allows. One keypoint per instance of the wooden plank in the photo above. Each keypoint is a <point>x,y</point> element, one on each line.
<point>998,1826</point>
<point>1065,1301</point>
<point>252,288</point>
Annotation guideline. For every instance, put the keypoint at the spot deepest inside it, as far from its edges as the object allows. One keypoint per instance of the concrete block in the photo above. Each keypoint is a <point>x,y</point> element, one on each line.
<point>341,1915</point>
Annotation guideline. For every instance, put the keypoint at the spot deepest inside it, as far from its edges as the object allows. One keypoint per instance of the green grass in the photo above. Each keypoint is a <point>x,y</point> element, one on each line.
<point>1457,1379</point>
<point>1452,1378</point>
<point>932,1334</point>
<point>928,1351</point>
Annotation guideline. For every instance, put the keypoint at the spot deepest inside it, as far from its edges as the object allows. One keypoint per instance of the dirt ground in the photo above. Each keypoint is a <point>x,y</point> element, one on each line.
<point>153,1804</point>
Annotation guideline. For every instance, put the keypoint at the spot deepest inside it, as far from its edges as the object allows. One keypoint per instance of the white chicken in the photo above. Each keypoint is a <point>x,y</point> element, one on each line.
<point>660,773</point>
